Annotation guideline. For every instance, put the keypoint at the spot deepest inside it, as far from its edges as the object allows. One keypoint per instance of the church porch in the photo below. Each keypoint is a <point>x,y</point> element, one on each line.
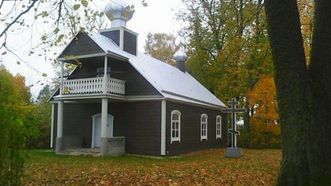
<point>85,124</point>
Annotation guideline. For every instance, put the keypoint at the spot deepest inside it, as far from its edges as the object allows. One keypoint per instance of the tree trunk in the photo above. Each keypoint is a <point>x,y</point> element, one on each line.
<point>320,130</point>
<point>292,88</point>
<point>304,95</point>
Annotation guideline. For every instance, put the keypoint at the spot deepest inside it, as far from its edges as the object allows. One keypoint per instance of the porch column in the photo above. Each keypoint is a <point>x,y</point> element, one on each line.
<point>61,78</point>
<point>59,138</point>
<point>105,76</point>
<point>52,127</point>
<point>104,117</point>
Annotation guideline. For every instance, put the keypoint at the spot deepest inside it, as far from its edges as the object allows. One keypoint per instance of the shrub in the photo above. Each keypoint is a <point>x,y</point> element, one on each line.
<point>17,126</point>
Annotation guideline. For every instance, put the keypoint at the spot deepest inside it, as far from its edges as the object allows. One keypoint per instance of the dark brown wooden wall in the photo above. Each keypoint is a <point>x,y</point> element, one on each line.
<point>77,120</point>
<point>130,43</point>
<point>113,35</point>
<point>190,129</point>
<point>139,122</point>
<point>82,44</point>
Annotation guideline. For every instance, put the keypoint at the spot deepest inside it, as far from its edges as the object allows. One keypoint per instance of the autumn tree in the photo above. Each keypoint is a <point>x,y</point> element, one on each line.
<point>303,91</point>
<point>228,46</point>
<point>161,46</point>
<point>264,123</point>
<point>17,126</point>
<point>43,110</point>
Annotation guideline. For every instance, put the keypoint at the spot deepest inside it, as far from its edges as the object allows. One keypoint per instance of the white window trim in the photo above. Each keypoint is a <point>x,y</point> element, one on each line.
<point>201,123</point>
<point>173,139</point>
<point>219,136</point>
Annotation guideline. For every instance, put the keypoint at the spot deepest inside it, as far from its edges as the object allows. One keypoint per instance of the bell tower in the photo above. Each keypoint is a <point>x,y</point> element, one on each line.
<point>119,12</point>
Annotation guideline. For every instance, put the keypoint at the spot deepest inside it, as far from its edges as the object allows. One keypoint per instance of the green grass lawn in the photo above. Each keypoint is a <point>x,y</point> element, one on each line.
<point>256,167</point>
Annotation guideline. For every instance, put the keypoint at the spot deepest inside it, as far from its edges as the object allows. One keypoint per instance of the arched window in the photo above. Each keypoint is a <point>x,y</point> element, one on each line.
<point>218,127</point>
<point>204,126</point>
<point>175,126</point>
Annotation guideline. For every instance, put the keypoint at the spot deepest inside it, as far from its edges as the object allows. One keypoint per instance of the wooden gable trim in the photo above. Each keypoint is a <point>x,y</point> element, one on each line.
<point>67,58</point>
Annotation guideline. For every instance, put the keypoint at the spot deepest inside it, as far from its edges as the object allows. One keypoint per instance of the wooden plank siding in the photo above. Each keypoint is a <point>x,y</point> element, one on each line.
<point>190,129</point>
<point>82,44</point>
<point>114,35</point>
<point>130,43</point>
<point>77,120</point>
<point>139,122</point>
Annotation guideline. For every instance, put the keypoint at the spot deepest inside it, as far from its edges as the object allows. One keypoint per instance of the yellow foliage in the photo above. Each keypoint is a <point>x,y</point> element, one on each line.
<point>306,10</point>
<point>264,123</point>
<point>263,98</point>
<point>208,167</point>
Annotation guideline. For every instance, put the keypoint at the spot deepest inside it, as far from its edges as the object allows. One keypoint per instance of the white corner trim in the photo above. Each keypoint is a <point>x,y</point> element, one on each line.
<point>121,38</point>
<point>52,127</point>
<point>163,127</point>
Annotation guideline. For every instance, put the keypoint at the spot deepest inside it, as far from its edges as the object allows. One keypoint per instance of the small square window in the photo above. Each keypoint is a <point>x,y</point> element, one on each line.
<point>100,72</point>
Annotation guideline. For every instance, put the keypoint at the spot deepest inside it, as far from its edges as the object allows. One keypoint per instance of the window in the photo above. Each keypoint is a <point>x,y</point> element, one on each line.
<point>218,127</point>
<point>175,126</point>
<point>101,72</point>
<point>204,126</point>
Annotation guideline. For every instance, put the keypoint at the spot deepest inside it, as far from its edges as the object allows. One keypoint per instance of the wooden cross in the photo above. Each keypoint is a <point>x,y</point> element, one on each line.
<point>233,110</point>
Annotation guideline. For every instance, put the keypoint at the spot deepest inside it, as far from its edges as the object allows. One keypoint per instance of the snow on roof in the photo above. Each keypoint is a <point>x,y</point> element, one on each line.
<point>168,80</point>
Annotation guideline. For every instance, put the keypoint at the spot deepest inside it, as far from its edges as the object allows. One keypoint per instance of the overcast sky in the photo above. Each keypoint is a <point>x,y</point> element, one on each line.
<point>158,16</point>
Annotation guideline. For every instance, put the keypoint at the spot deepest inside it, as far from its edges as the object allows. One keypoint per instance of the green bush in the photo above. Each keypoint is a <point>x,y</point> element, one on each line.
<point>17,126</point>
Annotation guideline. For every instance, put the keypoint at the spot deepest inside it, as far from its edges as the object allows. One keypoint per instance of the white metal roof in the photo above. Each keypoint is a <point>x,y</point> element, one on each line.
<point>168,80</point>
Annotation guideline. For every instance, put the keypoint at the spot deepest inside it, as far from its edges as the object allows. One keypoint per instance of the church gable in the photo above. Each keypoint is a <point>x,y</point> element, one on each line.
<point>82,44</point>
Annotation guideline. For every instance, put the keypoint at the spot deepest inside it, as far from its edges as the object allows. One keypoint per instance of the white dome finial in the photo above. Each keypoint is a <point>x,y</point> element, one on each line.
<point>180,55</point>
<point>119,12</point>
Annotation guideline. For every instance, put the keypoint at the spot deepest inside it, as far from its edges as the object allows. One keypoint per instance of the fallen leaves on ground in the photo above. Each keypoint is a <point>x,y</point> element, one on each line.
<point>209,167</point>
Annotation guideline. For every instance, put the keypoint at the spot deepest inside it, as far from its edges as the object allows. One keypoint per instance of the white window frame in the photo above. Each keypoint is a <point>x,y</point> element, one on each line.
<point>219,123</point>
<point>202,123</point>
<point>177,138</point>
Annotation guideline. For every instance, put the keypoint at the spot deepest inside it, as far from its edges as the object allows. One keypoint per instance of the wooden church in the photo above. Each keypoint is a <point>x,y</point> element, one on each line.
<point>118,100</point>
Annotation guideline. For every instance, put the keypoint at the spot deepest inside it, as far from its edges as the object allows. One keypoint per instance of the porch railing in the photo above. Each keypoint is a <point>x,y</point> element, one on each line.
<point>93,85</point>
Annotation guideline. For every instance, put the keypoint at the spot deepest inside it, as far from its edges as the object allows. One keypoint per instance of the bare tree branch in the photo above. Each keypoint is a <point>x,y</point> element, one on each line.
<point>46,78</point>
<point>59,12</point>
<point>1,3</point>
<point>20,15</point>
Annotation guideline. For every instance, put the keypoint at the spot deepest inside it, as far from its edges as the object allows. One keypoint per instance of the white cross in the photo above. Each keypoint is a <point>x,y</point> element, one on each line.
<point>233,110</point>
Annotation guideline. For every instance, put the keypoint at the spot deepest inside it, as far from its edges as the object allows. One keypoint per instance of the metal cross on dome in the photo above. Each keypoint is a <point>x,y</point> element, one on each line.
<point>233,110</point>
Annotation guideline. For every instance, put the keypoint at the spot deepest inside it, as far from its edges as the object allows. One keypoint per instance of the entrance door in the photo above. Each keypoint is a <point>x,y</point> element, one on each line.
<point>96,129</point>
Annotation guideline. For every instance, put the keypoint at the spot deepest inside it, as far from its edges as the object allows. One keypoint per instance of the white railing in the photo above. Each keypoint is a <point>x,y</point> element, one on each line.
<point>115,86</point>
<point>93,85</point>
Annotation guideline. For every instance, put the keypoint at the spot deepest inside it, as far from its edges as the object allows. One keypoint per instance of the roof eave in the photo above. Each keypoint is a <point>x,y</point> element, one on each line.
<point>191,100</point>
<point>108,53</point>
